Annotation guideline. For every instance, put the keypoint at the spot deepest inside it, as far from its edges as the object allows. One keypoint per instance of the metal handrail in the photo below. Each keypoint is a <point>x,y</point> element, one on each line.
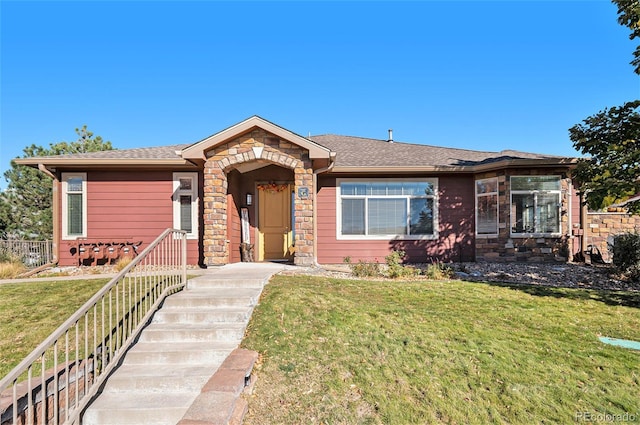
<point>76,358</point>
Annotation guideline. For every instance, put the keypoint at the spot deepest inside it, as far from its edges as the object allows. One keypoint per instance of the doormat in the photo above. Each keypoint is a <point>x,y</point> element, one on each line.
<point>634,345</point>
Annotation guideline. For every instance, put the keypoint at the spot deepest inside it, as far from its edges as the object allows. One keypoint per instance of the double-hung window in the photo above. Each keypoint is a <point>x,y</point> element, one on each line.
<point>487,206</point>
<point>185,203</point>
<point>74,205</point>
<point>535,205</point>
<point>382,209</point>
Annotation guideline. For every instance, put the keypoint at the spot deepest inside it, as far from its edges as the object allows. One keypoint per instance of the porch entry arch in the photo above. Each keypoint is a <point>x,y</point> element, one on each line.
<point>252,152</point>
<point>275,222</point>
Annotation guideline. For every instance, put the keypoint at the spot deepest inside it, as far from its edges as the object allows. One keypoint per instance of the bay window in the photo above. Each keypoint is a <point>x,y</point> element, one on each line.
<point>386,208</point>
<point>535,205</point>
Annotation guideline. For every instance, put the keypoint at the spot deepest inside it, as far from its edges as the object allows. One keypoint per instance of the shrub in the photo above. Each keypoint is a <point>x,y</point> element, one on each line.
<point>11,269</point>
<point>7,256</point>
<point>633,273</point>
<point>439,271</point>
<point>626,251</point>
<point>362,269</point>
<point>122,263</point>
<point>395,268</point>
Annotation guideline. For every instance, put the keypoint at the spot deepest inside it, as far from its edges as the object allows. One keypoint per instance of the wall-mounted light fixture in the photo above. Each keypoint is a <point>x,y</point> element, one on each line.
<point>249,199</point>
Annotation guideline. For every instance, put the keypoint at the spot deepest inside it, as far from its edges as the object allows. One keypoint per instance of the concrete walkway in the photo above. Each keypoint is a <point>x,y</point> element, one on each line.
<point>186,367</point>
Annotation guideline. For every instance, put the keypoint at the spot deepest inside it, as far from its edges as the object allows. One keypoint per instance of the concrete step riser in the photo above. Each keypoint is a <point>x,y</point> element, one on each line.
<point>152,384</point>
<point>214,316</point>
<point>157,416</point>
<point>192,335</point>
<point>226,283</point>
<point>199,302</point>
<point>175,357</point>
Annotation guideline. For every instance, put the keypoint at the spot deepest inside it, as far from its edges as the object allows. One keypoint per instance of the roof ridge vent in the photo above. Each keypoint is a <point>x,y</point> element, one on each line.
<point>390,135</point>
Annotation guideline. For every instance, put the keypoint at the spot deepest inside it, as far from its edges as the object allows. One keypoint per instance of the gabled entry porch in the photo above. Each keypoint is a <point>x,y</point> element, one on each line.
<point>276,168</point>
<point>260,212</point>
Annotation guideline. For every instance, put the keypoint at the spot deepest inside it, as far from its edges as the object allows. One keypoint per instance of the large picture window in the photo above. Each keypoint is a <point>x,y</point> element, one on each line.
<point>74,205</point>
<point>535,205</point>
<point>487,206</point>
<point>185,203</point>
<point>387,208</point>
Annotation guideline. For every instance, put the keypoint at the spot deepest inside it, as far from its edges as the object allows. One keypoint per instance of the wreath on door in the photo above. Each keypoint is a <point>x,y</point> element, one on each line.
<point>273,187</point>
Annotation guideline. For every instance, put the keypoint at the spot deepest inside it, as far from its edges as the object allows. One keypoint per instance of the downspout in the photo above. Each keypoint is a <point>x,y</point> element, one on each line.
<point>583,222</point>
<point>570,236</point>
<point>55,206</point>
<point>332,163</point>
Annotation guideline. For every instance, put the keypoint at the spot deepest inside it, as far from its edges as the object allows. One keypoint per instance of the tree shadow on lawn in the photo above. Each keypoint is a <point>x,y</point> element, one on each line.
<point>614,298</point>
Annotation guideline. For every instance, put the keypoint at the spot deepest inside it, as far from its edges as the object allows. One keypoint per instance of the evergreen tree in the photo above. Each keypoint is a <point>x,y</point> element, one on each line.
<point>26,205</point>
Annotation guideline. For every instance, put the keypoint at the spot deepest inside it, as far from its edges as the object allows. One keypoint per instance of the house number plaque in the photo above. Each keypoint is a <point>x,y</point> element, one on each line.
<point>303,192</point>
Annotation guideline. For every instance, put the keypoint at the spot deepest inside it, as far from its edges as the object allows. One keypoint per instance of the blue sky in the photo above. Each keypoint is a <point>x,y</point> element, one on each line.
<point>476,75</point>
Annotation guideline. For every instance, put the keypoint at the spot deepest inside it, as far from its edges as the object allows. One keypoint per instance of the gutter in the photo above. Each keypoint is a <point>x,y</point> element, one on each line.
<point>514,163</point>
<point>43,168</point>
<point>332,163</point>
<point>108,162</point>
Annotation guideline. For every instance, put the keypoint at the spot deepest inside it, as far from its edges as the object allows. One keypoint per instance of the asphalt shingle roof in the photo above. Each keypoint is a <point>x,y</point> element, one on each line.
<point>351,152</point>
<point>158,152</point>
<point>363,152</point>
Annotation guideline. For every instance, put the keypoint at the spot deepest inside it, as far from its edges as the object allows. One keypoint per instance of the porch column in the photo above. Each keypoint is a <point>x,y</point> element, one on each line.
<point>215,215</point>
<point>304,212</point>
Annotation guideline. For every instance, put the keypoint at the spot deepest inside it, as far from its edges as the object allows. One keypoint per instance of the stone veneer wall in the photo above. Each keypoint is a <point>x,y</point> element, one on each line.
<point>225,157</point>
<point>504,247</point>
<point>603,226</point>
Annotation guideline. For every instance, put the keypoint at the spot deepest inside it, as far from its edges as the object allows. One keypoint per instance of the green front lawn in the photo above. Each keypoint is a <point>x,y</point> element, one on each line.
<point>30,312</point>
<point>355,351</point>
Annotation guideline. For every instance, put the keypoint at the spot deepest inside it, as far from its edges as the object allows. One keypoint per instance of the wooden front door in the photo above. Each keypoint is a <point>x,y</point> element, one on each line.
<point>275,241</point>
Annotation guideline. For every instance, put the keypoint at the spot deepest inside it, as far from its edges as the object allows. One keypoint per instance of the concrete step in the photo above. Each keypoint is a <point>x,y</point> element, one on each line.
<point>178,378</point>
<point>221,297</point>
<point>213,282</point>
<point>175,353</point>
<point>139,408</point>
<point>185,332</point>
<point>203,315</point>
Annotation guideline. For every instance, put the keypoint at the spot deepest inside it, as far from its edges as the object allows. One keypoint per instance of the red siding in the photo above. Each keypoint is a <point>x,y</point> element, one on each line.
<point>123,205</point>
<point>456,228</point>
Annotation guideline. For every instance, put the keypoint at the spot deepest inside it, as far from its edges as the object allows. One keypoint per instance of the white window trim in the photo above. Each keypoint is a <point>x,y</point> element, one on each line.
<point>480,195</point>
<point>194,234</point>
<point>535,192</point>
<point>65,218</point>
<point>436,201</point>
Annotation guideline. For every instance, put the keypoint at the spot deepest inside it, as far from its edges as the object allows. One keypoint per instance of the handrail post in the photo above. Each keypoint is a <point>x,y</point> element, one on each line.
<point>184,257</point>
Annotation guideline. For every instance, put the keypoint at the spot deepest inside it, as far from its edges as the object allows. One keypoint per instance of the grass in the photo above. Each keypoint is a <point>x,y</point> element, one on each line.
<point>29,312</point>
<point>11,269</point>
<point>356,351</point>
